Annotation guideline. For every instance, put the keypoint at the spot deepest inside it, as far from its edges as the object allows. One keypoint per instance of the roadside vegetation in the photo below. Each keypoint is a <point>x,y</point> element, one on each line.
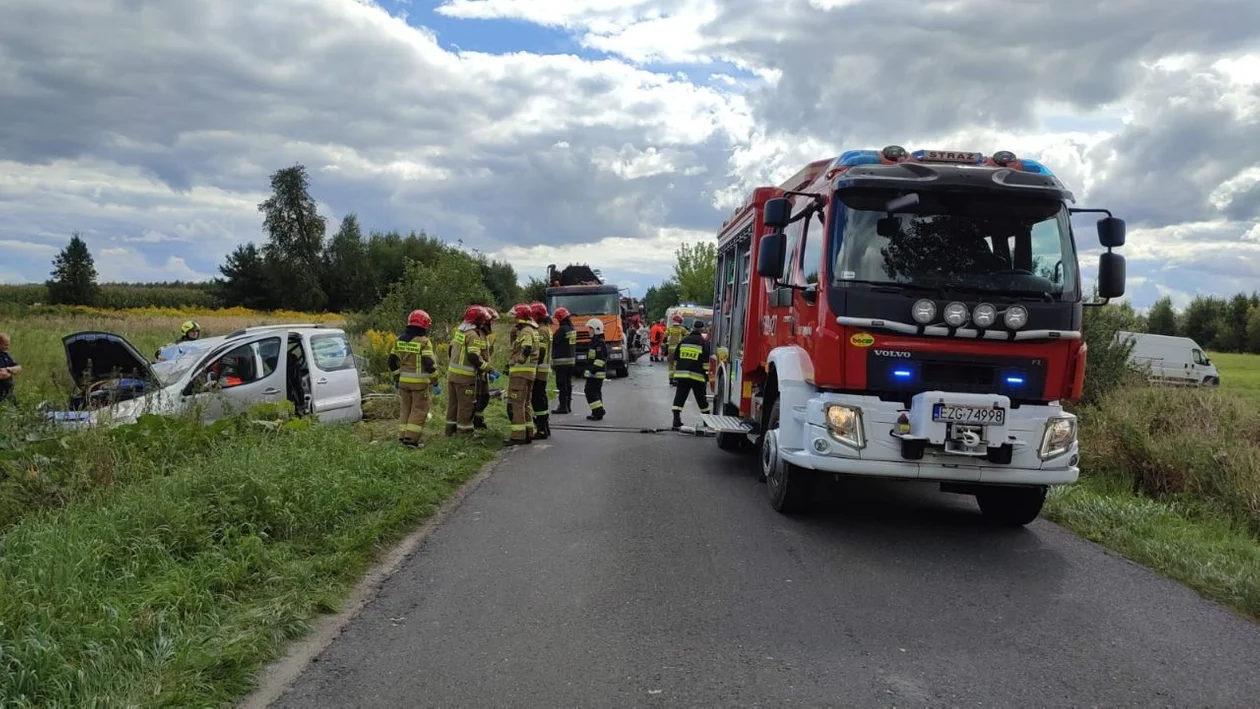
<point>1170,476</point>
<point>165,562</point>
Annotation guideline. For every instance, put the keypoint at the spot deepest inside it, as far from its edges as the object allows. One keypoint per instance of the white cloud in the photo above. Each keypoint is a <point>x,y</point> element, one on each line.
<point>155,131</point>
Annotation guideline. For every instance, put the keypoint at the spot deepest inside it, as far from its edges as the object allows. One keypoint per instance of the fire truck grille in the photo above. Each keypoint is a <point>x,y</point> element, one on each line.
<point>957,376</point>
<point>1019,378</point>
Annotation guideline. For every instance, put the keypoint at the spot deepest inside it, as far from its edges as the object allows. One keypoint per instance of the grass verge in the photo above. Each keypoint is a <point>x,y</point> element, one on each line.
<point>174,590</point>
<point>1172,481</point>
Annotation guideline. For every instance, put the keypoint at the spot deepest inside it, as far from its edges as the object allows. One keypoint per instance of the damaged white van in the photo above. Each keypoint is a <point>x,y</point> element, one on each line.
<point>308,364</point>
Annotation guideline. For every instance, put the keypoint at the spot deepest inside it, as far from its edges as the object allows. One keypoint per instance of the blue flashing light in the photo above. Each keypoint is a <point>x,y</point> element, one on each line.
<point>902,373</point>
<point>1015,380</point>
<point>1034,166</point>
<point>849,158</point>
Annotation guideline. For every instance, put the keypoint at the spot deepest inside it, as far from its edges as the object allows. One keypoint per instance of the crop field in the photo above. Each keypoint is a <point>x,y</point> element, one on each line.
<point>1239,372</point>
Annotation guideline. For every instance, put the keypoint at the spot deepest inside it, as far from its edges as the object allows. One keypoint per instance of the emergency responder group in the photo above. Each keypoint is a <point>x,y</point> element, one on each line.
<point>534,352</point>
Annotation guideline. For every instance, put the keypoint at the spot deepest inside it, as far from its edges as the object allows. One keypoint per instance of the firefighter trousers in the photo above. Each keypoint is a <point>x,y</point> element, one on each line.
<point>412,413</point>
<point>483,401</point>
<point>518,401</point>
<point>564,387</point>
<point>542,406</point>
<point>694,387</point>
<point>461,404</point>
<point>595,395</point>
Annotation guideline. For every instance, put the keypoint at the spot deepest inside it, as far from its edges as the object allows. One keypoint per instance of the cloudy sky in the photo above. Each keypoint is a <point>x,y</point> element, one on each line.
<point>608,131</point>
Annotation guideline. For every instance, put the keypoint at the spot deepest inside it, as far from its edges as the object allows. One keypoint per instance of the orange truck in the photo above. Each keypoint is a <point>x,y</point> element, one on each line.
<point>581,290</point>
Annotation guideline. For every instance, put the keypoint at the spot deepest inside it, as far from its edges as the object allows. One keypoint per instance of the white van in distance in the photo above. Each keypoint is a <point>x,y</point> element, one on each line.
<point>1178,361</point>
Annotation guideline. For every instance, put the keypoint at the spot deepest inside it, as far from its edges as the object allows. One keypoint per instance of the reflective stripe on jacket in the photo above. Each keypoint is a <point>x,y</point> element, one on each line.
<point>691,358</point>
<point>411,361</point>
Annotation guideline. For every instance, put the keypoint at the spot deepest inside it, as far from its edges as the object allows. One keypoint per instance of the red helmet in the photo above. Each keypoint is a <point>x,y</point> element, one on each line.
<point>475,314</point>
<point>561,313</point>
<point>419,318</point>
<point>522,311</point>
<point>677,319</point>
<point>538,310</point>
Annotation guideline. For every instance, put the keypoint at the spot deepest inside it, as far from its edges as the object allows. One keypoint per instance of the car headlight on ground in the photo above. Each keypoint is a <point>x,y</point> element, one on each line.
<point>1058,438</point>
<point>845,424</point>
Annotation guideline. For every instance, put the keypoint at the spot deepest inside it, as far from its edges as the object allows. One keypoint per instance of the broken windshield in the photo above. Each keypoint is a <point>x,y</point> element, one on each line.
<point>970,241</point>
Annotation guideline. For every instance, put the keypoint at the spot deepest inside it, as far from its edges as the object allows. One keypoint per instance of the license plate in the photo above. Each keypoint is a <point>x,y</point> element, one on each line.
<point>986,416</point>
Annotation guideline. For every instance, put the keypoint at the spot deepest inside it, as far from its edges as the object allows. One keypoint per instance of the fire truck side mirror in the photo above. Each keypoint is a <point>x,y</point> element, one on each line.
<point>1111,275</point>
<point>1111,232</point>
<point>777,214</point>
<point>770,255</point>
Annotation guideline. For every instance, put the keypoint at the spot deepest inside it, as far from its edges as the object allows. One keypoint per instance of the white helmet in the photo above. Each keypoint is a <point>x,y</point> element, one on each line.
<point>595,325</point>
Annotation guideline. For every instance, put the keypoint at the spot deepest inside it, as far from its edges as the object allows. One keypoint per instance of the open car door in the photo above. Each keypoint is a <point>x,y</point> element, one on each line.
<point>335,394</point>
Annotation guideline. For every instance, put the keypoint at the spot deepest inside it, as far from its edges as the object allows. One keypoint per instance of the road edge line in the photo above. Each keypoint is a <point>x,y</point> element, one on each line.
<point>278,676</point>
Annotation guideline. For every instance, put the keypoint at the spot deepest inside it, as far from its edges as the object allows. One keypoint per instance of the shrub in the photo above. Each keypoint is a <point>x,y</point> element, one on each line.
<point>1202,443</point>
<point>1107,364</point>
<point>444,289</point>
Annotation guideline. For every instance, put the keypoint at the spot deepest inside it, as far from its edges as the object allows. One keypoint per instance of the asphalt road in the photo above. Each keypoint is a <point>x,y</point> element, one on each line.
<point>623,569</point>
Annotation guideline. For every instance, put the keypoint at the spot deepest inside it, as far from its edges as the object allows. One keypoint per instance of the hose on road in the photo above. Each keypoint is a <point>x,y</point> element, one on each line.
<point>685,431</point>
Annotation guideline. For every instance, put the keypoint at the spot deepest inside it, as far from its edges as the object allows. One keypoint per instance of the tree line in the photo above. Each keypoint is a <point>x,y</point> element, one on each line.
<point>381,275</point>
<point>1218,324</point>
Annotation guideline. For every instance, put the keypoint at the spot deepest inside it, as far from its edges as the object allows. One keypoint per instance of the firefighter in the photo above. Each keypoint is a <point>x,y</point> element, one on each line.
<point>483,379</point>
<point>539,398</point>
<point>521,368</point>
<point>465,364</point>
<point>188,332</point>
<point>563,349</point>
<point>596,363</point>
<point>657,338</point>
<point>673,336</point>
<point>414,368</point>
<point>691,371</point>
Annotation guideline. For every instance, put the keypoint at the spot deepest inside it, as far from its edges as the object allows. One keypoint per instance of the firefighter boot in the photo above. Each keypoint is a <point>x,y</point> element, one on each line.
<point>450,429</point>
<point>677,420</point>
<point>540,428</point>
<point>479,421</point>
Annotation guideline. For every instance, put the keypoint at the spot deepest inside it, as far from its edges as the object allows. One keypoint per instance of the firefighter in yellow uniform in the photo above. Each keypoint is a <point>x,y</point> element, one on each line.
<point>412,361</point>
<point>691,376</point>
<point>483,379</point>
<point>465,363</point>
<point>673,336</point>
<point>521,368</point>
<point>540,399</point>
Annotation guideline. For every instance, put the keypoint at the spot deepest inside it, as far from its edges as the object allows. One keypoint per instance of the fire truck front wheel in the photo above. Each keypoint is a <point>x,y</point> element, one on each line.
<point>788,486</point>
<point>1011,506</point>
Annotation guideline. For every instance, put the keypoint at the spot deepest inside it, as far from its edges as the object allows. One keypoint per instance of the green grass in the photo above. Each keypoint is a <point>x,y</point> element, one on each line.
<point>1239,372</point>
<point>1189,542</point>
<point>173,590</point>
<point>1171,480</point>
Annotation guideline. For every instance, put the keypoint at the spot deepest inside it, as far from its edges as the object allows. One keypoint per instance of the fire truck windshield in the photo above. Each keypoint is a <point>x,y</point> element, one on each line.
<point>586,303</point>
<point>971,241</point>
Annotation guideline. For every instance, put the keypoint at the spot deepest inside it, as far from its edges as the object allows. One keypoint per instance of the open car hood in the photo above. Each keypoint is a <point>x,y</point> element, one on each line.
<point>93,356</point>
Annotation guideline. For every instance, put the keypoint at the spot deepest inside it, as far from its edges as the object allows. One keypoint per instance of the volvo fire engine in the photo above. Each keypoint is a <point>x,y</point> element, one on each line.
<point>907,315</point>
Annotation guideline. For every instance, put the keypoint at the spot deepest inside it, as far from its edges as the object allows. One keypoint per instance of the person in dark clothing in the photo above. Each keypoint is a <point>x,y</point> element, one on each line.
<point>691,371</point>
<point>563,349</point>
<point>8,368</point>
<point>415,370</point>
<point>596,369</point>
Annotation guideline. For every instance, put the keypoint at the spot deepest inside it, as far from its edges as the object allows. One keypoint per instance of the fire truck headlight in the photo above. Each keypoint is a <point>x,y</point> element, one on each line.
<point>923,312</point>
<point>984,315</point>
<point>1016,317</point>
<point>1058,438</point>
<point>955,314</point>
<point>845,424</point>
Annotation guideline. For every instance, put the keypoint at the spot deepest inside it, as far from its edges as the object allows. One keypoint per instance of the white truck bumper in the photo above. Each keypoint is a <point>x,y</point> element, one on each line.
<point>877,448</point>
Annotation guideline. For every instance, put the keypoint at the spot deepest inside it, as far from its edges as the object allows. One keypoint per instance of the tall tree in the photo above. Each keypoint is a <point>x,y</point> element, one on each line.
<point>535,290</point>
<point>347,274</point>
<point>295,239</point>
<point>695,270</point>
<point>245,280</point>
<point>1202,318</point>
<point>658,299</point>
<point>74,275</point>
<point>1162,319</point>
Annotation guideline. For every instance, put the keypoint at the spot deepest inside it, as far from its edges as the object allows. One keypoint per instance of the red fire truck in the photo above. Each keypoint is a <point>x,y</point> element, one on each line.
<point>908,316</point>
